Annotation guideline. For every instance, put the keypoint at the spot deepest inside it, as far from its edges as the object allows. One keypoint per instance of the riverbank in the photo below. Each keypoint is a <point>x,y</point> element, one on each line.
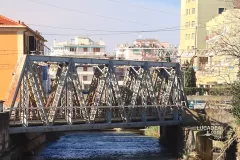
<point>153,131</point>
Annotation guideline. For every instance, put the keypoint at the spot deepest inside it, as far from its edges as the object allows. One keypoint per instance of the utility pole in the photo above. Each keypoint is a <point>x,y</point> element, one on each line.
<point>195,43</point>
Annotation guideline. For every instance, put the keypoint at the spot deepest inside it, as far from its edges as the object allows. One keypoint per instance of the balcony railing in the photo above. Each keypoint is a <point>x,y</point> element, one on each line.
<point>46,51</point>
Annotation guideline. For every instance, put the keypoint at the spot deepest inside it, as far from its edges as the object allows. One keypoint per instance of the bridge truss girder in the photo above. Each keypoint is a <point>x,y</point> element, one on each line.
<point>151,91</point>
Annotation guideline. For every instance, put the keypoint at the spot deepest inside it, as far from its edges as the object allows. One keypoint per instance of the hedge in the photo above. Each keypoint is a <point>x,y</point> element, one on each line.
<point>216,91</point>
<point>194,90</point>
<point>220,91</point>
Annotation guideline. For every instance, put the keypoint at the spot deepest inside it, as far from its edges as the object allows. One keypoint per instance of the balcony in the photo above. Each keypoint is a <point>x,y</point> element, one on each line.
<point>80,44</point>
<point>45,51</point>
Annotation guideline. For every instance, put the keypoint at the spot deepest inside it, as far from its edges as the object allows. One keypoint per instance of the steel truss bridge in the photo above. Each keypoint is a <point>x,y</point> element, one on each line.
<point>151,94</point>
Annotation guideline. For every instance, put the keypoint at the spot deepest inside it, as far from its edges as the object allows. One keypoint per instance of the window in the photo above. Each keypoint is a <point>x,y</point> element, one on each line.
<point>72,49</point>
<point>186,37</point>
<point>186,11</point>
<point>85,49</point>
<point>85,78</point>
<point>188,48</point>
<point>186,24</point>
<point>193,11</point>
<point>85,68</point>
<point>189,36</point>
<point>32,43</point>
<point>193,23</point>
<point>86,86</point>
<point>192,47</point>
<point>96,49</point>
<point>193,35</point>
<point>220,10</point>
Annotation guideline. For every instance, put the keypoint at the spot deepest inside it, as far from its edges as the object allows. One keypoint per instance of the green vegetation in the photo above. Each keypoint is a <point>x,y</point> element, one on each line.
<point>187,155</point>
<point>152,131</point>
<point>194,90</point>
<point>215,91</point>
<point>236,100</point>
<point>220,91</point>
<point>189,75</point>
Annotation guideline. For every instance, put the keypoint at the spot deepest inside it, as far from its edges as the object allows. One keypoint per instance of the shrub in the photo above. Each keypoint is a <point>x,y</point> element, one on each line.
<point>195,90</point>
<point>216,91</point>
<point>220,91</point>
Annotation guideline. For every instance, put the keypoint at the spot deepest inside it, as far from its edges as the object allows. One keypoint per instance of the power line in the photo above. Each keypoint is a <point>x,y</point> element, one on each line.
<point>142,7</point>
<point>58,34</point>
<point>87,13</point>
<point>118,31</point>
<point>121,33</point>
<point>151,9</point>
<point>111,31</point>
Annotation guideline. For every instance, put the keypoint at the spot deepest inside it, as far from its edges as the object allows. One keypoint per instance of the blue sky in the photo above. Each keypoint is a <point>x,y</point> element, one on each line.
<point>91,14</point>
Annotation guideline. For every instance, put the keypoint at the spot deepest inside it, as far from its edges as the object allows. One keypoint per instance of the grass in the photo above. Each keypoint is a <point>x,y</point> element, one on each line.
<point>152,131</point>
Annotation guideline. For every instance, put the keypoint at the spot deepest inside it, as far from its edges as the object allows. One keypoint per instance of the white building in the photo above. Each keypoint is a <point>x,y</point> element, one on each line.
<point>79,47</point>
<point>146,50</point>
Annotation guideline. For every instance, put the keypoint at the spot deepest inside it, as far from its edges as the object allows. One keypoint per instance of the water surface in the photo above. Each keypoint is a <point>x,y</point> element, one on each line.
<point>102,146</point>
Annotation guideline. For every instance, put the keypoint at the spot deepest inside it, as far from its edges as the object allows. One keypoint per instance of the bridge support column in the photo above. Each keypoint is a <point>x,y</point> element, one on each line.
<point>204,147</point>
<point>4,135</point>
<point>196,142</point>
<point>172,137</point>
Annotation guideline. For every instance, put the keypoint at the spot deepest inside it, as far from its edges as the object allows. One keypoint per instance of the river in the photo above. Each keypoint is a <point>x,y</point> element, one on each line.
<point>102,146</point>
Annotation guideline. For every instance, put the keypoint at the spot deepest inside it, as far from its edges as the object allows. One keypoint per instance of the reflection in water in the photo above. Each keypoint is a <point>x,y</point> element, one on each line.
<point>102,146</point>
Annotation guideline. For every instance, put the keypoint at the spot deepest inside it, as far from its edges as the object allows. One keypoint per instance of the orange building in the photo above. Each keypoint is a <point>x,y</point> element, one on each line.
<point>16,40</point>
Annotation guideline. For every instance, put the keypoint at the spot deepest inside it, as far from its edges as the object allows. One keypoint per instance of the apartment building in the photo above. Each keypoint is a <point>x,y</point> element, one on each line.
<point>222,38</point>
<point>79,46</point>
<point>145,50</point>
<point>194,16</point>
<point>82,47</point>
<point>16,39</point>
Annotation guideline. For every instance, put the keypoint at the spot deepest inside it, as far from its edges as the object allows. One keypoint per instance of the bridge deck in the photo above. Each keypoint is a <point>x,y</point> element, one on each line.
<point>79,127</point>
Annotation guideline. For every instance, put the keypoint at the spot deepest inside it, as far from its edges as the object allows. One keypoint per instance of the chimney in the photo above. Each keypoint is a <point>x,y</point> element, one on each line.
<point>1,105</point>
<point>19,21</point>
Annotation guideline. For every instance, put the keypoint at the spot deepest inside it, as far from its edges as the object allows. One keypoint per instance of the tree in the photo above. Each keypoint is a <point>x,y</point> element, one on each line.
<point>224,40</point>
<point>189,75</point>
<point>236,99</point>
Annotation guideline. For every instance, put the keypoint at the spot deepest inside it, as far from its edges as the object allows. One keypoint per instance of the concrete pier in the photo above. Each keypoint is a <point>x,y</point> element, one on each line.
<point>178,140</point>
<point>4,124</point>
<point>172,137</point>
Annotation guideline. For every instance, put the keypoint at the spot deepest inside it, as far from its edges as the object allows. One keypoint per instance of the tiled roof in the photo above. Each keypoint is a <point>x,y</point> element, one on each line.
<point>7,21</point>
<point>4,21</point>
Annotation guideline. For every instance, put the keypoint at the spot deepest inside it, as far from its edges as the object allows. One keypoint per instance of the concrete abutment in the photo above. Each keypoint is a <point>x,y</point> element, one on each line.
<point>181,142</point>
<point>4,135</point>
